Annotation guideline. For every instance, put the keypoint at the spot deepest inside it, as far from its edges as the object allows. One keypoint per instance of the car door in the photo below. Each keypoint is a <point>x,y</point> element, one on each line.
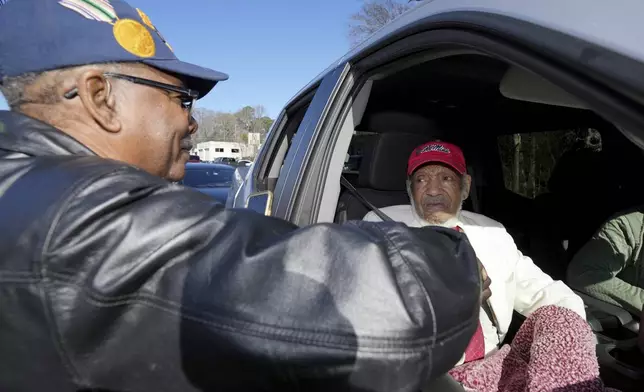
<point>296,172</point>
<point>282,160</point>
<point>609,83</point>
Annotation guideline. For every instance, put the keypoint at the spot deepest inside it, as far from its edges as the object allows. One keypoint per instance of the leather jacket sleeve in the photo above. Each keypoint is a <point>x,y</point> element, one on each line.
<point>156,287</point>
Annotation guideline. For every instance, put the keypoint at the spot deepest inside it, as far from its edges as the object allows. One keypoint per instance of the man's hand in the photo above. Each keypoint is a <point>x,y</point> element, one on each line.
<point>486,292</point>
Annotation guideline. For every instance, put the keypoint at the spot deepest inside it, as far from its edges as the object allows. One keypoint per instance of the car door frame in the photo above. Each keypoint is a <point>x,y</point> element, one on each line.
<point>257,177</point>
<point>319,94</point>
<point>299,154</point>
<point>512,41</point>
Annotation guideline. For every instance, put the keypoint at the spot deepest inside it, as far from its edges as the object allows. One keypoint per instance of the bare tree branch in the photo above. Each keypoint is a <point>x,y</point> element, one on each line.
<point>373,15</point>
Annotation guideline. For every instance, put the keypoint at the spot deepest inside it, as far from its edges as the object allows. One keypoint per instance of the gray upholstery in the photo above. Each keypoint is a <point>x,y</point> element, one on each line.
<point>384,165</point>
<point>382,174</point>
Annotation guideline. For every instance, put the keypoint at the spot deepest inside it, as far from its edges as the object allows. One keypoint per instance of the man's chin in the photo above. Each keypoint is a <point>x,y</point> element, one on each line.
<point>178,169</point>
<point>439,219</point>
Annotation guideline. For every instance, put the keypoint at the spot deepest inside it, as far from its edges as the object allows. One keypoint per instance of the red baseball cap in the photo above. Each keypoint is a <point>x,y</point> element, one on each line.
<point>437,151</point>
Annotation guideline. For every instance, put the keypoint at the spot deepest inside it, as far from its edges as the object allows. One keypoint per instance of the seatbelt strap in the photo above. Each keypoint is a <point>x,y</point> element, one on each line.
<point>345,183</point>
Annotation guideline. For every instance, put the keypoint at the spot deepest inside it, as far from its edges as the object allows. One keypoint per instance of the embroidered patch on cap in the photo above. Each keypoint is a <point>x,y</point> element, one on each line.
<point>100,10</point>
<point>434,147</point>
<point>130,34</point>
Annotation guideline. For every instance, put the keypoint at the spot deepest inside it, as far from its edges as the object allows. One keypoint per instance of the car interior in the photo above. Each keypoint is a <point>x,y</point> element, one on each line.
<point>546,167</point>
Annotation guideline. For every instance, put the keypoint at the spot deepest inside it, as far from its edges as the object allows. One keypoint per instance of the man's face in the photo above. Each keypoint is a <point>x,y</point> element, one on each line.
<point>156,128</point>
<point>438,192</point>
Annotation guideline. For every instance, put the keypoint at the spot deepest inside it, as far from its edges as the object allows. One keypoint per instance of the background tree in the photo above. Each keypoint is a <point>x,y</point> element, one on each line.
<point>264,124</point>
<point>231,127</point>
<point>246,117</point>
<point>529,159</point>
<point>374,14</point>
<point>207,125</point>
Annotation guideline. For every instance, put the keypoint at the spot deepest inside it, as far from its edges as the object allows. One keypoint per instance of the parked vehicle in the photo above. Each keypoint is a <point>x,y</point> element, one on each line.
<point>520,86</point>
<point>209,178</point>
<point>226,161</point>
<point>194,158</point>
<point>244,162</point>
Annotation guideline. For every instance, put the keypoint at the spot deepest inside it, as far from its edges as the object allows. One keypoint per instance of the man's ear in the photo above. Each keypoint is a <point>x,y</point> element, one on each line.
<point>95,91</point>
<point>467,184</point>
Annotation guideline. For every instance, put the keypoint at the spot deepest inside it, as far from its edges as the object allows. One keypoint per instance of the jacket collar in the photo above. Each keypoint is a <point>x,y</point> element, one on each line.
<point>26,135</point>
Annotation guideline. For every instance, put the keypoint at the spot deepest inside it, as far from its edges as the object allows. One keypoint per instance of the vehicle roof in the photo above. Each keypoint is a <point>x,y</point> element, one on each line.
<point>616,25</point>
<point>203,165</point>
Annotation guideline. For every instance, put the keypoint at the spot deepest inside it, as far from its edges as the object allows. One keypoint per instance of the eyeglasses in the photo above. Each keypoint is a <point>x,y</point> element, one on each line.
<point>186,96</point>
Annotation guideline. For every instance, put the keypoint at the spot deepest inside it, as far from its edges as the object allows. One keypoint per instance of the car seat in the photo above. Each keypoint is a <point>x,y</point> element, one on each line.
<point>383,173</point>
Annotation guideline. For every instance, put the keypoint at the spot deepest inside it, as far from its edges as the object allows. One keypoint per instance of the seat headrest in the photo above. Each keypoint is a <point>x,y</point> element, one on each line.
<point>384,164</point>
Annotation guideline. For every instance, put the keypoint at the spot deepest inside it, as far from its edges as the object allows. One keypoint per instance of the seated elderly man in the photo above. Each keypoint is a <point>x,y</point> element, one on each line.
<point>438,184</point>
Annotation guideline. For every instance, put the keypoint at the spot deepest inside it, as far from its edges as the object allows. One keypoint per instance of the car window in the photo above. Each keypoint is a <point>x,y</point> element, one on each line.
<point>529,159</point>
<point>279,139</point>
<point>208,178</point>
<point>285,139</point>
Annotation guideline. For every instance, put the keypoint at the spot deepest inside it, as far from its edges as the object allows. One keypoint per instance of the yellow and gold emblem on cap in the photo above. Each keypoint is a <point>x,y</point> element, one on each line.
<point>134,37</point>
<point>146,19</point>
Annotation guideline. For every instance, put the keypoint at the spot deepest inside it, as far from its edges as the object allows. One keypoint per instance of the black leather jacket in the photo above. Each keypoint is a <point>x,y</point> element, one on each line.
<point>112,279</point>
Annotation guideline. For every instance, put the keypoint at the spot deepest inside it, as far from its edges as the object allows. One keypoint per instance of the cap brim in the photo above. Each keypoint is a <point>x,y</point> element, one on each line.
<point>445,162</point>
<point>196,78</point>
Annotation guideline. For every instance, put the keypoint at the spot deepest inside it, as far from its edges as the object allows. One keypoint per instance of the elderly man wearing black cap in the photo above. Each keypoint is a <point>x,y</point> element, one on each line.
<point>113,278</point>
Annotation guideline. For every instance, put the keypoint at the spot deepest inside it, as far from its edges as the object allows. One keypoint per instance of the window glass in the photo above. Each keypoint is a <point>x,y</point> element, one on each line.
<point>529,159</point>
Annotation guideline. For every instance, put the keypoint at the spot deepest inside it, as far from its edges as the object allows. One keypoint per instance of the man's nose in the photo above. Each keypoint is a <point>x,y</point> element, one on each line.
<point>433,187</point>
<point>193,126</point>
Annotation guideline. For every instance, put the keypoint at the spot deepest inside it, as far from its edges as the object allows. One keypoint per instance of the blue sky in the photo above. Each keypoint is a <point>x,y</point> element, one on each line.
<point>270,48</point>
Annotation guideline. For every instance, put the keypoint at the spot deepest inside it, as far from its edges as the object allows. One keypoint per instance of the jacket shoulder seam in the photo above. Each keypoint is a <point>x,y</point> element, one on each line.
<point>76,188</point>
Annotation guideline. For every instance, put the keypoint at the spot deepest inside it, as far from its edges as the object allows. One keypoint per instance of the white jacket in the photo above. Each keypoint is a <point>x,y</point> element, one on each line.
<point>517,283</point>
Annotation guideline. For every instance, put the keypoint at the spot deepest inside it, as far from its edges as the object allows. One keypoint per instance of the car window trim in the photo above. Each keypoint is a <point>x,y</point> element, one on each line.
<point>299,153</point>
<point>266,155</point>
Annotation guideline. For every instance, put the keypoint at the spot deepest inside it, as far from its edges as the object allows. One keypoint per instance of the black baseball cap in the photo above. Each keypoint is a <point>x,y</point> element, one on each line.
<point>43,35</point>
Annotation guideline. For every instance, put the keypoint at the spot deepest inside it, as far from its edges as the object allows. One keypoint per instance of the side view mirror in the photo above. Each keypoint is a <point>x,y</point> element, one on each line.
<point>261,202</point>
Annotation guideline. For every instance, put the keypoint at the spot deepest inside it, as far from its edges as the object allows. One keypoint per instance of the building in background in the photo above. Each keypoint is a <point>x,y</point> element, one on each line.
<point>254,138</point>
<point>208,151</point>
<point>254,142</point>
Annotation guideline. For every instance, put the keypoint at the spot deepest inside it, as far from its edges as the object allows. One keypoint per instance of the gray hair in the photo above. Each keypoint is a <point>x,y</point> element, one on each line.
<point>15,88</point>
<point>464,193</point>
